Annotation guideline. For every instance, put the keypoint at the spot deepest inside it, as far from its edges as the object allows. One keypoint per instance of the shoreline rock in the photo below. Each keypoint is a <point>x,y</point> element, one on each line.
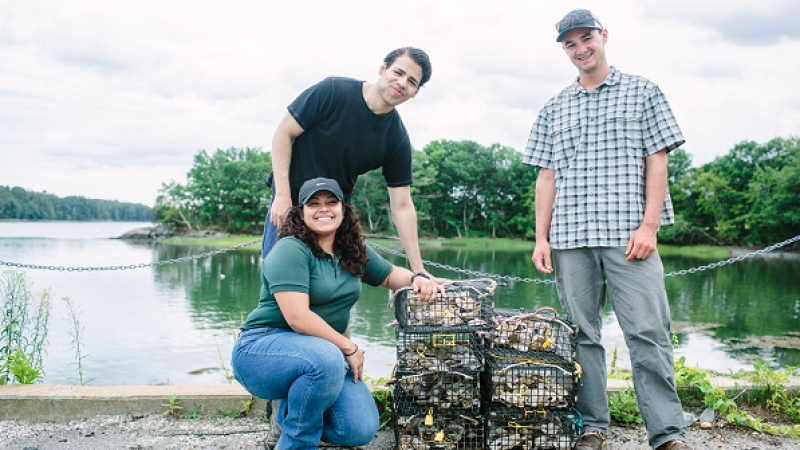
<point>160,232</point>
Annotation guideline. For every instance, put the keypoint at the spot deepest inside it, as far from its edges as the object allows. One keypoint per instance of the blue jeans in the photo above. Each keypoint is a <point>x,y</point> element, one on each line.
<point>310,375</point>
<point>270,233</point>
<point>638,296</point>
<point>270,236</point>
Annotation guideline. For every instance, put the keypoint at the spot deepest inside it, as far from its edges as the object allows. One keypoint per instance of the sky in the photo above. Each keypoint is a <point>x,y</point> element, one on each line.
<point>111,100</point>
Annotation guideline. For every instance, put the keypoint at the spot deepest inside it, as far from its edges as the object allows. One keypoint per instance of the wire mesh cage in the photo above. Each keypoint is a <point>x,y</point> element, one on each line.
<point>440,351</point>
<point>538,331</point>
<point>445,390</point>
<point>530,383</point>
<point>431,429</point>
<point>515,429</point>
<point>465,305</point>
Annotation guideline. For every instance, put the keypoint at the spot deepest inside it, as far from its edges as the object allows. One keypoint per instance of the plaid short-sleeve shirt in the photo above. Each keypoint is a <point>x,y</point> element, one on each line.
<point>597,142</point>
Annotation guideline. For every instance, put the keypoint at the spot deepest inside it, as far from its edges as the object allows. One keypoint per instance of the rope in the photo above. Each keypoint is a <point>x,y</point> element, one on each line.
<point>472,273</point>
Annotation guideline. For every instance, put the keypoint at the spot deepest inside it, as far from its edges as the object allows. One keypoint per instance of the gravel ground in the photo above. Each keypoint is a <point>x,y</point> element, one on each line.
<point>155,432</point>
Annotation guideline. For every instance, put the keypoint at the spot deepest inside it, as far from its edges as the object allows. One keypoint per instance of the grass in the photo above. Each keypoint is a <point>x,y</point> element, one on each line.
<point>698,251</point>
<point>215,242</point>
<point>471,243</point>
<point>477,244</point>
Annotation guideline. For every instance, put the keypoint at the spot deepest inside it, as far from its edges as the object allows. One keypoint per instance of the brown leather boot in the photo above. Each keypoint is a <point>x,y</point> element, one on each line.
<point>593,440</point>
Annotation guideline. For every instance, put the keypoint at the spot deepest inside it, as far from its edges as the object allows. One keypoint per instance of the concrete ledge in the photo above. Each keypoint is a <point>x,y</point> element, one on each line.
<point>41,402</point>
<point>58,403</point>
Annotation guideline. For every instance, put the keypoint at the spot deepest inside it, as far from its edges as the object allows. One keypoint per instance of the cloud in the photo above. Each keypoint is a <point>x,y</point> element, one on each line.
<point>762,23</point>
<point>110,100</point>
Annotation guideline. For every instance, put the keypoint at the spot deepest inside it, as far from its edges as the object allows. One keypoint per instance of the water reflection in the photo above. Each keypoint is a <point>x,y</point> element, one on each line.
<point>724,317</point>
<point>220,289</point>
<point>172,323</point>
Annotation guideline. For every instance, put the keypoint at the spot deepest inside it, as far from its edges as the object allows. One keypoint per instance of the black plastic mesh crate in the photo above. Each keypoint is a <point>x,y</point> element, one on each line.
<point>465,305</point>
<point>431,429</point>
<point>515,429</point>
<point>538,331</point>
<point>443,389</point>
<point>439,351</point>
<point>530,383</point>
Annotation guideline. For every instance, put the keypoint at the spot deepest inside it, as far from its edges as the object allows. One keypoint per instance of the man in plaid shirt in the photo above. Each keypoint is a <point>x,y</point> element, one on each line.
<point>601,197</point>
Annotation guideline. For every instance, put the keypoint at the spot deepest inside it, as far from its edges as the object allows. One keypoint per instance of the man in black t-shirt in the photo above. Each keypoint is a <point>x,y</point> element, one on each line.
<point>341,128</point>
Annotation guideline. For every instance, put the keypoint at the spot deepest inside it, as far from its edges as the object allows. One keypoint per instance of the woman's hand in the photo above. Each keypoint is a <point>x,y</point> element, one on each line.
<point>421,282</point>
<point>426,288</point>
<point>356,362</point>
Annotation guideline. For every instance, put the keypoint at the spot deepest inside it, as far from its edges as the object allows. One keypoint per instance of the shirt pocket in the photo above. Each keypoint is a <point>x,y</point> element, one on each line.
<point>565,136</point>
<point>623,134</point>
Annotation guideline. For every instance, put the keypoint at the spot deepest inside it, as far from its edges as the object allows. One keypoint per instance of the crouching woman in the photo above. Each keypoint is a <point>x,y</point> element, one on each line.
<point>294,346</point>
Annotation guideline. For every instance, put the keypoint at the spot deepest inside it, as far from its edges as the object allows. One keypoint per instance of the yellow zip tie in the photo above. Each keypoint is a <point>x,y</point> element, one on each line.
<point>444,340</point>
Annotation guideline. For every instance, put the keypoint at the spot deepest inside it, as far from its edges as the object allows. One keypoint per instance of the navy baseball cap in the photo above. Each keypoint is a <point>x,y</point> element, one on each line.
<point>314,185</point>
<point>578,18</point>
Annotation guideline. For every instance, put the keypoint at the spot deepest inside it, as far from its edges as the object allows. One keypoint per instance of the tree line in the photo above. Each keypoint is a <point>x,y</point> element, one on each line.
<point>751,195</point>
<point>20,204</point>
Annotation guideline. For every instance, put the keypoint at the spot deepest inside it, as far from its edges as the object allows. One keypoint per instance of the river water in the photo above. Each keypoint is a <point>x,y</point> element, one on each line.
<point>174,323</point>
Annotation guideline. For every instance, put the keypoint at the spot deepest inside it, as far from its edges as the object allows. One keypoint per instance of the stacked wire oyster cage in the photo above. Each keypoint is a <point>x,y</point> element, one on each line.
<point>440,364</point>
<point>531,382</point>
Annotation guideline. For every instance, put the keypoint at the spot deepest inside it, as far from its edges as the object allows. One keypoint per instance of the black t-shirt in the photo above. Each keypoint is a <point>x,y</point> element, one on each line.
<point>343,138</point>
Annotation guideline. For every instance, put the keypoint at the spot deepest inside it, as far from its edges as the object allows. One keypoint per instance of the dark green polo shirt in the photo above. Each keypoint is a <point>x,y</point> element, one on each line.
<point>332,290</point>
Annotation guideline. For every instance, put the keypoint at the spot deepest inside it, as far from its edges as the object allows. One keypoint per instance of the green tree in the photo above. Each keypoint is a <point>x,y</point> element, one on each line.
<point>174,206</point>
<point>371,199</point>
<point>775,198</point>
<point>712,199</point>
<point>738,168</point>
<point>679,162</point>
<point>228,188</point>
<point>18,203</point>
<point>505,190</point>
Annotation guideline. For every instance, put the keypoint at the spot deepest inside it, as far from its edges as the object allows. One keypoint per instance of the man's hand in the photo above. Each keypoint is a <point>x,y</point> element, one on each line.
<point>541,257</point>
<point>642,244</point>
<point>280,206</point>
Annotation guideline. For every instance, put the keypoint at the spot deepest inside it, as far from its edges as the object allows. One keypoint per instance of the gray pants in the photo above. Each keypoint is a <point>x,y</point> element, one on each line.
<point>636,289</point>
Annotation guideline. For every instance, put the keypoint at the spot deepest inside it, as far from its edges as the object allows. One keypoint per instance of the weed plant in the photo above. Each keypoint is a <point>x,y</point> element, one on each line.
<point>623,407</point>
<point>172,406</point>
<point>73,318</point>
<point>383,399</point>
<point>767,390</point>
<point>23,330</point>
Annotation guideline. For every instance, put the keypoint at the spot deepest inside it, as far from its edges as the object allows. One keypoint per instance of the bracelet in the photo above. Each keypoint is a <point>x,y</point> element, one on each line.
<point>419,274</point>
<point>351,353</point>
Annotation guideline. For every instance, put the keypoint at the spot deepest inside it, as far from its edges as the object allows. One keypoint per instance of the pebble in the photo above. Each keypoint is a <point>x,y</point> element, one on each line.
<point>156,432</point>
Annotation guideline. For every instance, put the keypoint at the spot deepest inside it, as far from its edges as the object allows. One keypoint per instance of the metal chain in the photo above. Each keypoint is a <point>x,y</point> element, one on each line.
<point>474,273</point>
<point>536,280</point>
<point>734,259</point>
<point>131,266</point>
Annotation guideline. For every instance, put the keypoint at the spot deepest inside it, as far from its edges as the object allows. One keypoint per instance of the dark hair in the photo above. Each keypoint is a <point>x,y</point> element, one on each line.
<point>417,55</point>
<point>348,244</point>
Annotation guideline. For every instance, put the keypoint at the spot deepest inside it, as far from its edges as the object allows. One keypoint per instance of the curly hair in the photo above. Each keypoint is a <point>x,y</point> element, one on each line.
<point>348,244</point>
